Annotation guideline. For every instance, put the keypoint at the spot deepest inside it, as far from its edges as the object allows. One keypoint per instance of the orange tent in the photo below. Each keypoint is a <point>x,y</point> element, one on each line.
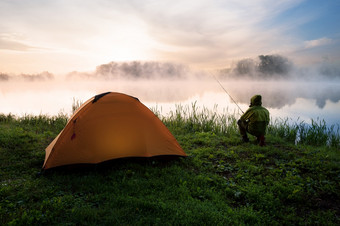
<point>109,126</point>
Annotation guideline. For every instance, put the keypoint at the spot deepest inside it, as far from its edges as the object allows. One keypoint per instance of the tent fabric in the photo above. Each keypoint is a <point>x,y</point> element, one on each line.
<point>109,126</point>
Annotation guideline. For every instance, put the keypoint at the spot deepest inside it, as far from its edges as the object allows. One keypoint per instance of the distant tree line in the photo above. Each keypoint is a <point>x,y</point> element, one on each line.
<point>329,71</point>
<point>137,69</point>
<point>4,77</point>
<point>262,67</point>
<point>266,66</point>
<point>43,76</point>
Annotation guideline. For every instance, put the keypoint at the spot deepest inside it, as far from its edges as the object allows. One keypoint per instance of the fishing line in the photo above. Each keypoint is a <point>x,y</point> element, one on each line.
<point>228,94</point>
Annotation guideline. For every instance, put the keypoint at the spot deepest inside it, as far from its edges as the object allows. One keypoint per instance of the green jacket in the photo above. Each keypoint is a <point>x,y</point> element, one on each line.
<point>256,117</point>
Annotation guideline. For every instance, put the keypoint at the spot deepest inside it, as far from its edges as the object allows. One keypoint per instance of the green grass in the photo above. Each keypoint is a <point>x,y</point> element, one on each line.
<point>294,180</point>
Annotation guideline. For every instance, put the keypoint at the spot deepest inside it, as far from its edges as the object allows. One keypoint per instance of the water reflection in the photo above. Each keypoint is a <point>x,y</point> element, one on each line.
<point>281,94</point>
<point>284,98</point>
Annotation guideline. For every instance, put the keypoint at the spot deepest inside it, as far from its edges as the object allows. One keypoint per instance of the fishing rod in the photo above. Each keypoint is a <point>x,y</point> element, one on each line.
<point>228,94</point>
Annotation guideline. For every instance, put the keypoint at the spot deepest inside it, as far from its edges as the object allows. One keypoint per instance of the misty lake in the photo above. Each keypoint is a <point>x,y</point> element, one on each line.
<point>295,100</point>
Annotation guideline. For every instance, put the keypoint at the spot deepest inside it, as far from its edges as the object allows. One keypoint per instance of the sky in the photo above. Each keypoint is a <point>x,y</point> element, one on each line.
<point>61,36</point>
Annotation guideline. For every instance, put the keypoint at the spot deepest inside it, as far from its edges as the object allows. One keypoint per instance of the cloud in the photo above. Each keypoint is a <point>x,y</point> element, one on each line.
<point>317,42</point>
<point>213,31</point>
<point>6,42</point>
<point>204,33</point>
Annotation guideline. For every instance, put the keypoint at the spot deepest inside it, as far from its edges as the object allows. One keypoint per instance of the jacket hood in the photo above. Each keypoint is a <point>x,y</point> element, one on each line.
<point>256,101</point>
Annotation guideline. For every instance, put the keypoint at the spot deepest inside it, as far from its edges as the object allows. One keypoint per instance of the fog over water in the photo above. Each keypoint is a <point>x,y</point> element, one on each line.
<point>164,86</point>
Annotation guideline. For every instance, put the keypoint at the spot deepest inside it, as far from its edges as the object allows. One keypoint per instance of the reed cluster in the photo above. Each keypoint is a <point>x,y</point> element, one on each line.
<point>192,118</point>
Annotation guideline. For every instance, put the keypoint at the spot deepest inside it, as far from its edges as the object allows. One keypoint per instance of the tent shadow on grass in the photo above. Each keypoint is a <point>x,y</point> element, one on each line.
<point>113,164</point>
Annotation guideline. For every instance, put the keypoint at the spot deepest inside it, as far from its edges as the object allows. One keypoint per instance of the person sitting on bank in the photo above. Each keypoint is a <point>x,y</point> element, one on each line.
<point>254,121</point>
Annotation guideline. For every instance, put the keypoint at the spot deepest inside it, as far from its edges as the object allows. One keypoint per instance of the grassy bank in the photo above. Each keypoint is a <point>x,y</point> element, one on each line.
<point>294,180</point>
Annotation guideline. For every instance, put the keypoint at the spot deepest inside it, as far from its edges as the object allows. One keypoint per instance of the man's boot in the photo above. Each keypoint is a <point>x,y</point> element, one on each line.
<point>261,140</point>
<point>245,139</point>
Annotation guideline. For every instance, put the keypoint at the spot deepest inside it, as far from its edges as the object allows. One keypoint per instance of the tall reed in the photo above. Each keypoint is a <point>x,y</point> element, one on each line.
<point>191,118</point>
<point>76,104</point>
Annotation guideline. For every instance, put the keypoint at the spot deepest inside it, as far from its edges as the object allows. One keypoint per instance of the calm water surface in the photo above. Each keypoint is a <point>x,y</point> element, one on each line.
<point>298,101</point>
